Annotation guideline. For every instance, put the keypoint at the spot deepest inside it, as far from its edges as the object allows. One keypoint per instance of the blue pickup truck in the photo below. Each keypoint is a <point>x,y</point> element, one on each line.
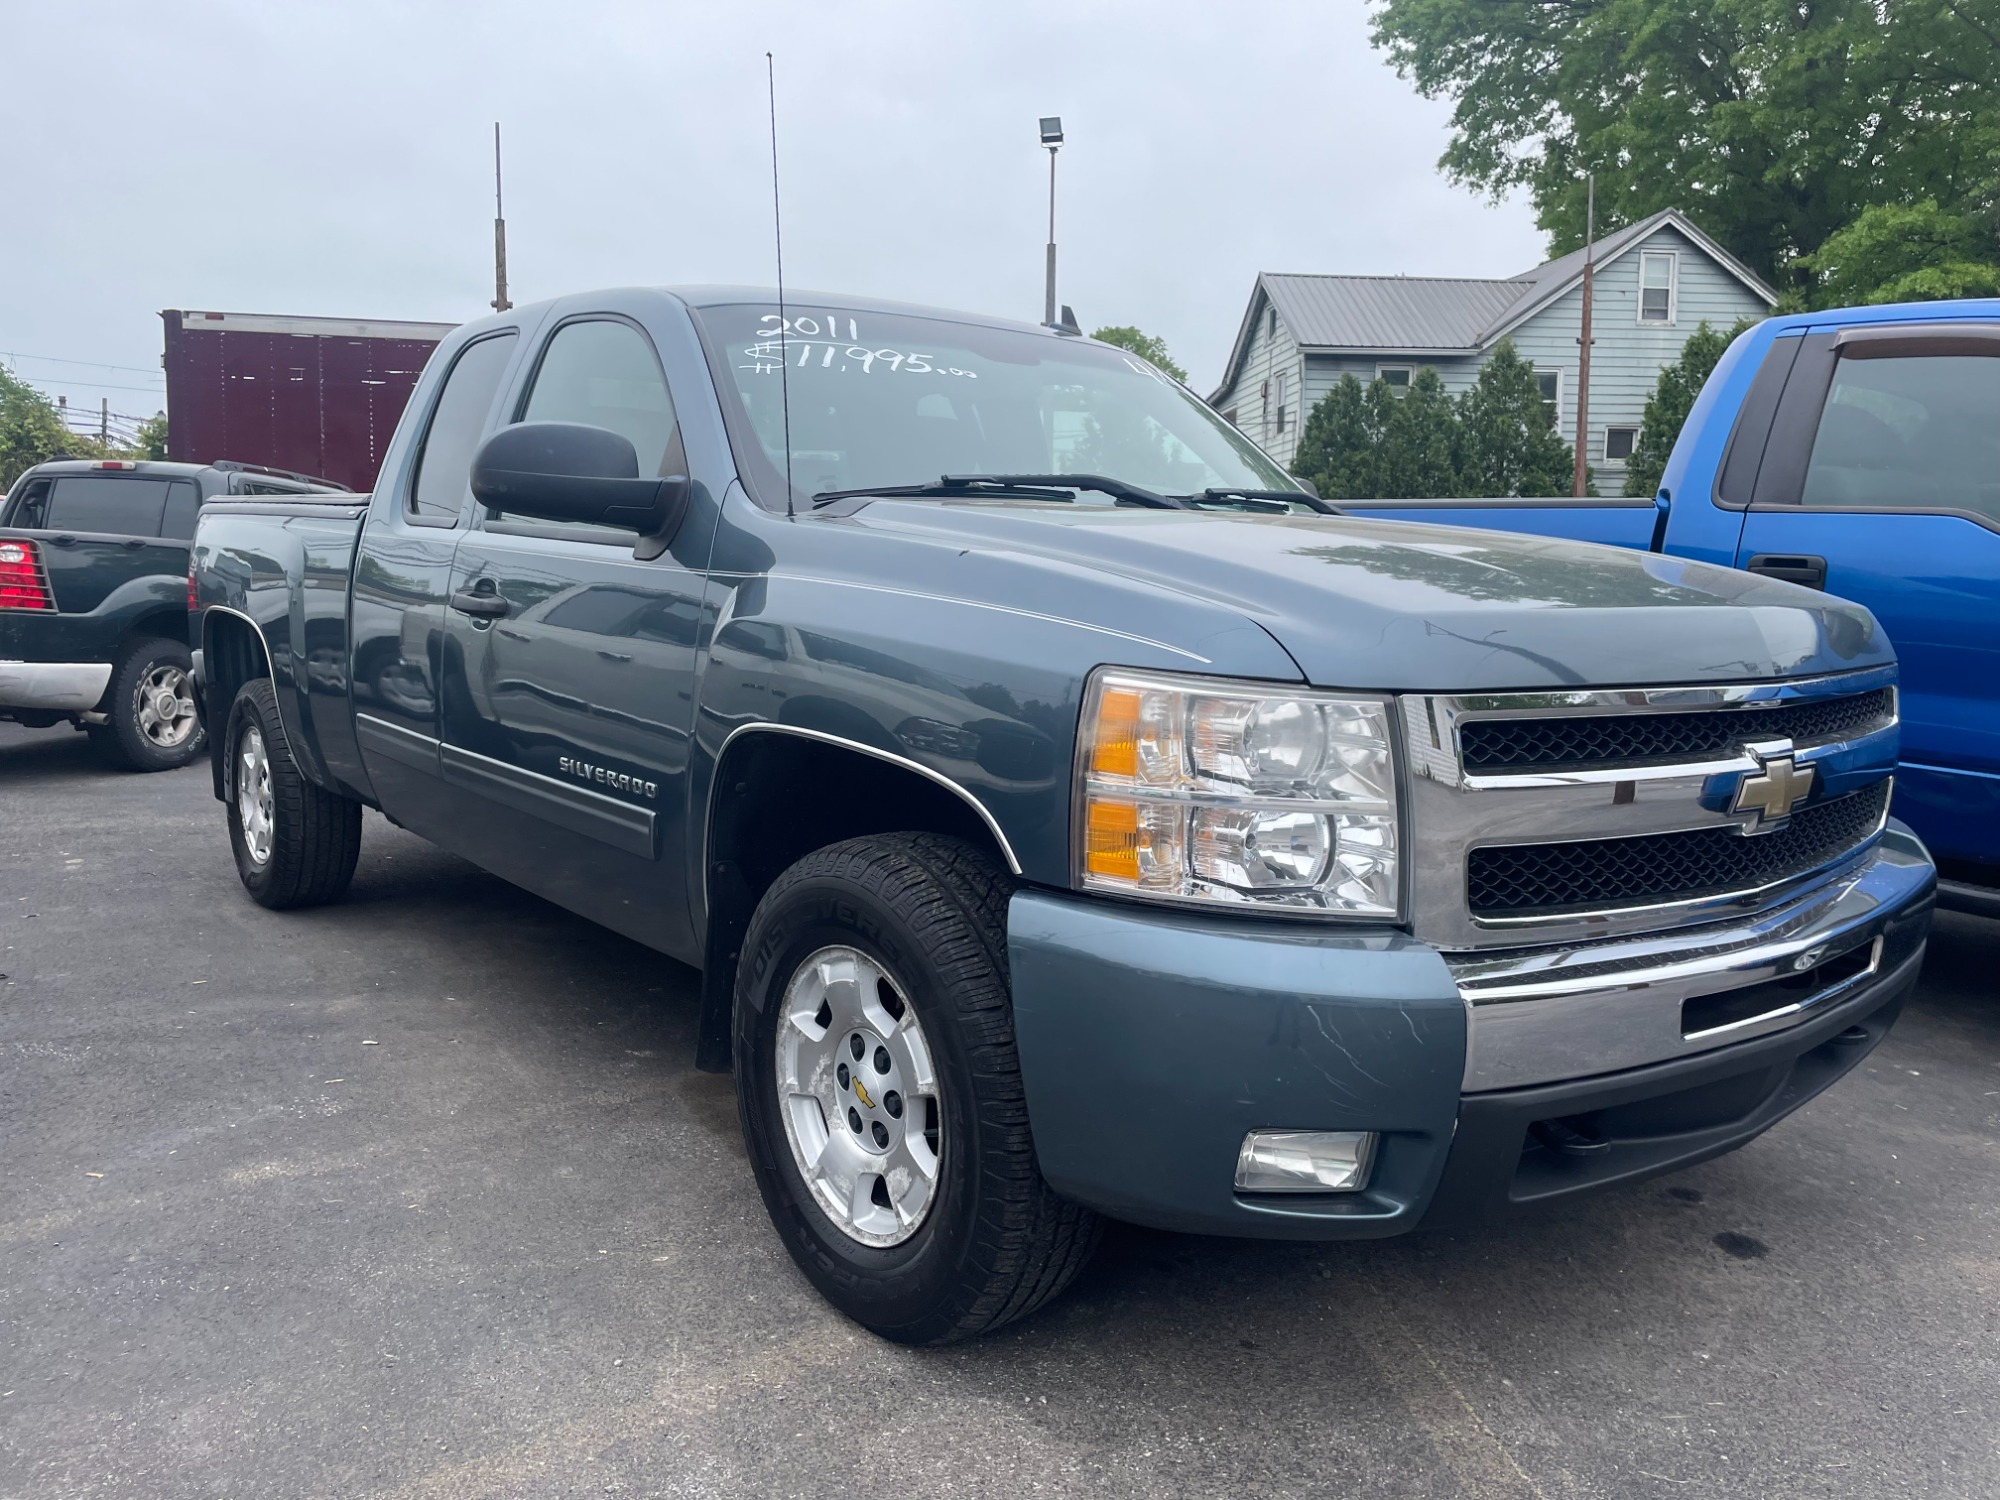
<point>1855,451</point>
<point>1070,816</point>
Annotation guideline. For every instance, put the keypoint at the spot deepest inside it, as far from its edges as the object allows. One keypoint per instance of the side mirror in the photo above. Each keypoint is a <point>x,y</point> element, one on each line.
<point>565,471</point>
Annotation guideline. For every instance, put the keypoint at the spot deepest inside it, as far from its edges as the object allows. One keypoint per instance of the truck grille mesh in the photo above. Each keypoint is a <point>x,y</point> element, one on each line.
<point>1597,874</point>
<point>1490,745</point>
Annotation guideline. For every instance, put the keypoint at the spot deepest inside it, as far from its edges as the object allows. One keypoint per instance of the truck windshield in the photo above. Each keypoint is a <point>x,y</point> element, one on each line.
<point>896,399</point>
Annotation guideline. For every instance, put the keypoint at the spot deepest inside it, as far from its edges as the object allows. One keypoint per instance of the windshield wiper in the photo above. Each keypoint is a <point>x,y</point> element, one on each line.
<point>1263,499</point>
<point>1011,487</point>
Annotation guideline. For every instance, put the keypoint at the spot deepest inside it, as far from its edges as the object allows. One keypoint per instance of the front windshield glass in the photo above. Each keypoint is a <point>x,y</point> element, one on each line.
<point>896,399</point>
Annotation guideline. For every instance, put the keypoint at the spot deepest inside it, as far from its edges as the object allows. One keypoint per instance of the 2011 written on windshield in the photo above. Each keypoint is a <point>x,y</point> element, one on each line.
<point>777,338</point>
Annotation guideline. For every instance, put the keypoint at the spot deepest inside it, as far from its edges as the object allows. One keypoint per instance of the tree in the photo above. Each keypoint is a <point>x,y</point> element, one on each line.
<point>151,439</point>
<point>31,430</point>
<point>1667,408</point>
<point>1510,446</point>
<point>1775,123</point>
<point>1146,345</point>
<point>1375,443</point>
<point>1337,444</point>
<point>1897,252</point>
<point>1418,455</point>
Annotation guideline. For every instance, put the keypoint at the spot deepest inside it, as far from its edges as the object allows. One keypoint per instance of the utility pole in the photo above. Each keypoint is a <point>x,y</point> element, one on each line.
<point>1582,476</point>
<point>1052,137</point>
<point>104,420</point>
<point>500,302</point>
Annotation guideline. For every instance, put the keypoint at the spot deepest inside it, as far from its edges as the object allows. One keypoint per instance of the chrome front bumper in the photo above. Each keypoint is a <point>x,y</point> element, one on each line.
<point>1556,1013</point>
<point>61,687</point>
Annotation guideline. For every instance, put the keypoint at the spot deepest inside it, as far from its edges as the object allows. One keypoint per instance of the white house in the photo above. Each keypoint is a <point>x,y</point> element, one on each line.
<point>1656,282</point>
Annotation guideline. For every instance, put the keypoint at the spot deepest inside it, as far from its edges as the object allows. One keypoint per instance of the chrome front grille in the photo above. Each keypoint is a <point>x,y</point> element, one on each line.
<point>1558,817</point>
<point>1493,745</point>
<point>1518,880</point>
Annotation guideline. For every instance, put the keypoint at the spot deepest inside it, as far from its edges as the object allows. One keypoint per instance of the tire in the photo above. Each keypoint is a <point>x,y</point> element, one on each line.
<point>986,1241</point>
<point>295,843</point>
<point>150,722</point>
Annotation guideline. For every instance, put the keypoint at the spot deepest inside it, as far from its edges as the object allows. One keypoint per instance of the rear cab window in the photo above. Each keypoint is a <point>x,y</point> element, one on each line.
<point>111,505</point>
<point>444,463</point>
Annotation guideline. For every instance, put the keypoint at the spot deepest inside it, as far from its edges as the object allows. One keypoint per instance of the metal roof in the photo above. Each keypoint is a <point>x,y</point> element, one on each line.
<point>1389,312</point>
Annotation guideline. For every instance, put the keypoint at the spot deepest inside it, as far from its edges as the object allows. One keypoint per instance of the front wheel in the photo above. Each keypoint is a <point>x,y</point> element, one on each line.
<point>295,843</point>
<point>881,1093</point>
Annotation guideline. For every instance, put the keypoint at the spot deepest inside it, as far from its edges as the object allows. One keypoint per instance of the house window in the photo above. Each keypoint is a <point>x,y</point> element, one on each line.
<point>1278,407</point>
<point>1396,377</point>
<point>1270,322</point>
<point>1619,443</point>
<point>1550,384</point>
<point>1658,271</point>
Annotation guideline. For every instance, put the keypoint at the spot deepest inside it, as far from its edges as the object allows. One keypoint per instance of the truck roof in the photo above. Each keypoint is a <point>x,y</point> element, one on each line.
<point>723,295</point>
<point>172,469</point>
<point>1961,310</point>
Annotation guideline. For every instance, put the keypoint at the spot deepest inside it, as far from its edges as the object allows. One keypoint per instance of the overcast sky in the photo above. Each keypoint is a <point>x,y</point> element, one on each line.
<point>299,157</point>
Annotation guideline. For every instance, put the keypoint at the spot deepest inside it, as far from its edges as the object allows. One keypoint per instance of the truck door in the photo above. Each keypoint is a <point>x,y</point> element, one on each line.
<point>1881,483</point>
<point>570,665</point>
<point>402,573</point>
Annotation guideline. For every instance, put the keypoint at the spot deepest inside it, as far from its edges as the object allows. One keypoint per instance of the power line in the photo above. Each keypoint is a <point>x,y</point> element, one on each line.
<point>94,364</point>
<point>97,385</point>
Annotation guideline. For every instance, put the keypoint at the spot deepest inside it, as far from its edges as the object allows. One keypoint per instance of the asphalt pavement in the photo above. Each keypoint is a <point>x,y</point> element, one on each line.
<point>418,1195</point>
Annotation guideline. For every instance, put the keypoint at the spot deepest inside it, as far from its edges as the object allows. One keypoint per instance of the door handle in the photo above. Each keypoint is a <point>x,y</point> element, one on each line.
<point>1793,567</point>
<point>481,606</point>
<point>616,655</point>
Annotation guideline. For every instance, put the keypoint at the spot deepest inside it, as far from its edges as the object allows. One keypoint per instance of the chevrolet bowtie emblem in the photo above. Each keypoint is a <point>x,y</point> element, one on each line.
<point>1778,785</point>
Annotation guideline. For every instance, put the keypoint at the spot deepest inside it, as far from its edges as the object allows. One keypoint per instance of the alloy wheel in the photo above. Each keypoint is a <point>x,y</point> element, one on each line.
<point>254,808</point>
<point>859,1096</point>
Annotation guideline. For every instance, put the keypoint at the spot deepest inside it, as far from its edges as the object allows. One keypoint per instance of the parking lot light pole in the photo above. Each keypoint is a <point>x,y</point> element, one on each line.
<point>1052,137</point>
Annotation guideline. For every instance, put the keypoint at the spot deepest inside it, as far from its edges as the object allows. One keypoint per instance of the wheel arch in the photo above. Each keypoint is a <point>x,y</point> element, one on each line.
<point>233,651</point>
<point>769,807</point>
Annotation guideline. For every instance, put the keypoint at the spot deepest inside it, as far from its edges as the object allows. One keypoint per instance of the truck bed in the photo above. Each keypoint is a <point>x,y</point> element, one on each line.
<point>283,566</point>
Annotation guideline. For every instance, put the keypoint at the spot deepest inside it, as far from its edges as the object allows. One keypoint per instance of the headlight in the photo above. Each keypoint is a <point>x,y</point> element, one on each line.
<point>1194,789</point>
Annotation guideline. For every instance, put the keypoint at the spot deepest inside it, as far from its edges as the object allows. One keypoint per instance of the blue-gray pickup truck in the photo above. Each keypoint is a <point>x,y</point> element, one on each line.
<point>1070,815</point>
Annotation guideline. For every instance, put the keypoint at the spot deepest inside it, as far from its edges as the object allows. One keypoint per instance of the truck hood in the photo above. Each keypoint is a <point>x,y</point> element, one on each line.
<point>1401,606</point>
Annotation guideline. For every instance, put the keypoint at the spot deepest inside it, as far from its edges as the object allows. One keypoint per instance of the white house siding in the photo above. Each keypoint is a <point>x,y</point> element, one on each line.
<point>1626,355</point>
<point>1265,358</point>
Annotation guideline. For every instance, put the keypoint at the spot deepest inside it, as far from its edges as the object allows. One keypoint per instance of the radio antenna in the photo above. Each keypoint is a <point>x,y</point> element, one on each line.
<point>784,323</point>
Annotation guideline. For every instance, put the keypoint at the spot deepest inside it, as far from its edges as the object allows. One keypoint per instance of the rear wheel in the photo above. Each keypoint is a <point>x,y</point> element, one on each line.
<point>150,722</point>
<point>295,843</point>
<point>881,1093</point>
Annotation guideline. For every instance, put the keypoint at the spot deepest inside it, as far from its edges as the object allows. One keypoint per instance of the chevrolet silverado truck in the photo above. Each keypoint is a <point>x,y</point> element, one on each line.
<point>1855,450</point>
<point>1069,815</point>
<point>94,599</point>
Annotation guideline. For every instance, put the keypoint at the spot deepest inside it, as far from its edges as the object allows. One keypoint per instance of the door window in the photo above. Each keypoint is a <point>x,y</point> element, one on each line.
<point>603,373</point>
<point>106,503</point>
<point>444,463</point>
<point>1909,433</point>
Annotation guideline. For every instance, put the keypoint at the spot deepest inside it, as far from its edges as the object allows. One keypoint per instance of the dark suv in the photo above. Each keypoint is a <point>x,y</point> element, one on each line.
<point>94,598</point>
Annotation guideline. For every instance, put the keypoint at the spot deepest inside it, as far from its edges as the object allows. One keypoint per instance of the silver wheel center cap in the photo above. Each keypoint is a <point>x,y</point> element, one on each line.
<point>859,1096</point>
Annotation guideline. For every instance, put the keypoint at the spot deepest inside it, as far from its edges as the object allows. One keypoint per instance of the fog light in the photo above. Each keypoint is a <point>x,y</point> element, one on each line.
<point>1305,1161</point>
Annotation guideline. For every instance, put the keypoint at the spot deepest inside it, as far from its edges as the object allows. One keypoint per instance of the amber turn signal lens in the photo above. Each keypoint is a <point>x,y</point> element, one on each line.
<point>1113,840</point>
<point>1115,749</point>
